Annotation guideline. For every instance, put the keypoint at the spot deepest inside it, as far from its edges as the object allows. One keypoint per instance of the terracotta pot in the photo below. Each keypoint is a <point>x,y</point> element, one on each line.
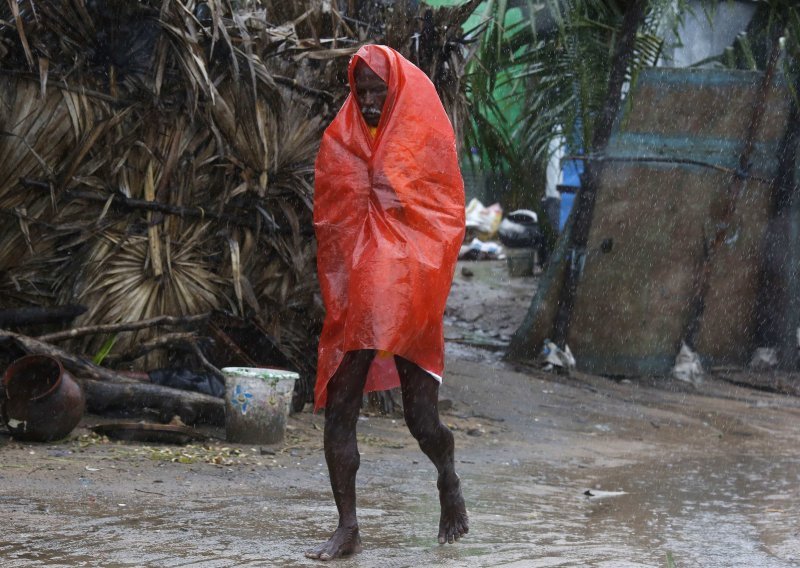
<point>42,401</point>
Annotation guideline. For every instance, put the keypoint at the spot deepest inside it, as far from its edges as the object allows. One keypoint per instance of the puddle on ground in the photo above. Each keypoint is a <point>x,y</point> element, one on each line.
<point>734,512</point>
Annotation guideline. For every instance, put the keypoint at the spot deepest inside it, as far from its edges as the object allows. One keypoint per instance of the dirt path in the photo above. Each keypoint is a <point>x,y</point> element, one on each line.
<point>710,476</point>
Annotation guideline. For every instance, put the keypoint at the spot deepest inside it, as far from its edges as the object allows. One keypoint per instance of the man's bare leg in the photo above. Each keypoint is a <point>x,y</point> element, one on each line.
<point>341,451</point>
<point>420,406</point>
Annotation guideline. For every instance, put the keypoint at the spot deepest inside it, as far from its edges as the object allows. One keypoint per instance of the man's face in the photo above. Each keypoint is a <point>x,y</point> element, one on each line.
<point>370,93</point>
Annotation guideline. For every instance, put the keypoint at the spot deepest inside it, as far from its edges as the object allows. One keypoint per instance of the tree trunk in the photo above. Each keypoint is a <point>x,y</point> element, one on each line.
<point>192,408</point>
<point>585,200</point>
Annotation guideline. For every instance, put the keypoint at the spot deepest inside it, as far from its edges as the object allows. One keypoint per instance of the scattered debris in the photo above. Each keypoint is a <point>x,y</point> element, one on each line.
<point>482,221</point>
<point>687,366</point>
<point>557,359</point>
<point>481,250</point>
<point>599,494</point>
<point>764,359</point>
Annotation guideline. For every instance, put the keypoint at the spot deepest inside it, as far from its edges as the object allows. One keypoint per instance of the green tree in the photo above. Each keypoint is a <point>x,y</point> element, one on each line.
<point>548,72</point>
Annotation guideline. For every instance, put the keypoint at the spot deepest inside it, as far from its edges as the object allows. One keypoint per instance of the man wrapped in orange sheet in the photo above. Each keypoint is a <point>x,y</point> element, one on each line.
<point>389,220</point>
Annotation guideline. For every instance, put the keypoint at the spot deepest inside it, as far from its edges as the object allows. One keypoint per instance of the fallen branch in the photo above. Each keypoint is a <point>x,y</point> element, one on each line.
<point>184,340</point>
<point>299,87</point>
<point>103,397</point>
<point>123,326</point>
<point>208,365</point>
<point>76,363</point>
<point>119,201</point>
<point>167,340</point>
<point>230,344</point>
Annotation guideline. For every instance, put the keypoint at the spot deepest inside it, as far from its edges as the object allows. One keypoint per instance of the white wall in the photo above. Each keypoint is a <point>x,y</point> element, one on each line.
<point>706,35</point>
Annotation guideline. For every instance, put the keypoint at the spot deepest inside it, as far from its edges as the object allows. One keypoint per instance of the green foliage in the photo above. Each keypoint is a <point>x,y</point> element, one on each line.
<point>554,65</point>
<point>104,350</point>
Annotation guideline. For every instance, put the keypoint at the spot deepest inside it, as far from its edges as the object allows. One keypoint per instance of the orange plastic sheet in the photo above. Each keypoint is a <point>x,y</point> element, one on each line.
<point>389,220</point>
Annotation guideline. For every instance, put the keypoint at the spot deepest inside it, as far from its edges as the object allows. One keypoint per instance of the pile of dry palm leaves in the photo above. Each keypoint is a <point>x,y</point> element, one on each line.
<point>156,158</point>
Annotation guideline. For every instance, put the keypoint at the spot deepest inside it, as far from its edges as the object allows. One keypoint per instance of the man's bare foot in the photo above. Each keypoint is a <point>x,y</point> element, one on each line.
<point>343,542</point>
<point>454,523</point>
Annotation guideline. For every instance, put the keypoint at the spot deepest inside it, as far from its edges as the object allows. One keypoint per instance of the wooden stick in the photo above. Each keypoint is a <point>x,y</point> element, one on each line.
<point>209,366</point>
<point>289,82</point>
<point>119,201</point>
<point>186,341</point>
<point>230,344</point>
<point>123,326</point>
<point>159,342</point>
<point>73,362</point>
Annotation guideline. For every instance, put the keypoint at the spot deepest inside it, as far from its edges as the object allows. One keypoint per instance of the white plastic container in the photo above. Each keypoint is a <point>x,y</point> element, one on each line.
<point>257,404</point>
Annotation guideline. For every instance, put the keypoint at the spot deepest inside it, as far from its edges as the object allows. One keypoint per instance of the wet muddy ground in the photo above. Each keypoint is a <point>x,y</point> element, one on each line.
<point>710,476</point>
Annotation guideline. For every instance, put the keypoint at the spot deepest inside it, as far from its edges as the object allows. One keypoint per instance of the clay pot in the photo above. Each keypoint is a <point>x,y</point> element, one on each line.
<point>42,401</point>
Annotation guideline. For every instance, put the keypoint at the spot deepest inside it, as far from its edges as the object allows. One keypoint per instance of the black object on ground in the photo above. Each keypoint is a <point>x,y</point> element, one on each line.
<point>520,229</point>
<point>187,379</point>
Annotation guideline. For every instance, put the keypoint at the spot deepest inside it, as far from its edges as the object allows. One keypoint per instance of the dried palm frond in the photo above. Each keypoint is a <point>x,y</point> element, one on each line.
<point>110,107</point>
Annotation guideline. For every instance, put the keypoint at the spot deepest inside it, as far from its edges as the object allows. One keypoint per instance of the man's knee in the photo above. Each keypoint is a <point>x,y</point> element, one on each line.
<point>424,427</point>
